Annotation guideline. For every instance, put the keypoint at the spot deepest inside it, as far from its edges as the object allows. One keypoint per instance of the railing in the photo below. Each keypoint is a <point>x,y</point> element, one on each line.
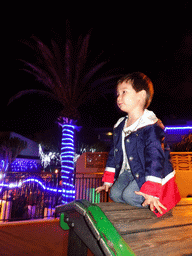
<point>182,163</point>
<point>36,198</point>
<point>85,185</point>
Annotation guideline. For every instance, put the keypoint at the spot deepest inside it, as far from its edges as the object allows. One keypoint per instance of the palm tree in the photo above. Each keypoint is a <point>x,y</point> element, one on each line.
<point>10,149</point>
<point>66,76</point>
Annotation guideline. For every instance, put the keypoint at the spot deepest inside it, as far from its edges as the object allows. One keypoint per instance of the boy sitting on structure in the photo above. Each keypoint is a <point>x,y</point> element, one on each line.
<point>138,168</point>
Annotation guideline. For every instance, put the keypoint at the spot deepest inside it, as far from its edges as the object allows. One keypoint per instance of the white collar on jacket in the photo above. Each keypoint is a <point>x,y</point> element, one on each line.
<point>147,118</point>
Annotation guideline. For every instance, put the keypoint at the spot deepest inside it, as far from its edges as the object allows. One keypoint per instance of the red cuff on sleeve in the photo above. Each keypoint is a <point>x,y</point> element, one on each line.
<point>151,188</point>
<point>168,194</point>
<point>108,177</point>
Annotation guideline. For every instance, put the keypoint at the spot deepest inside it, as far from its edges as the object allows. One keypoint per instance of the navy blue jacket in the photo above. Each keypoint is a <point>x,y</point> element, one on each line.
<point>145,152</point>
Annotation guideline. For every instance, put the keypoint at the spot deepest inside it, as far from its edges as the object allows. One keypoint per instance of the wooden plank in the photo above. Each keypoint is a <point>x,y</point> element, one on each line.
<point>147,214</point>
<point>139,223</point>
<point>119,206</point>
<point>128,219</point>
<point>105,207</point>
<point>144,226</point>
<point>130,214</point>
<point>172,242</point>
<point>148,235</point>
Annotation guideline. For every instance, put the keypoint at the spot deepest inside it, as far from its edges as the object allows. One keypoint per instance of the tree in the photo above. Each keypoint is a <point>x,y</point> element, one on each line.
<point>70,83</point>
<point>10,149</point>
<point>185,145</point>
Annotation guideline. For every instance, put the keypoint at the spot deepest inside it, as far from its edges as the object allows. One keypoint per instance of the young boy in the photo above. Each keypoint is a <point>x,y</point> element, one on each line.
<point>138,166</point>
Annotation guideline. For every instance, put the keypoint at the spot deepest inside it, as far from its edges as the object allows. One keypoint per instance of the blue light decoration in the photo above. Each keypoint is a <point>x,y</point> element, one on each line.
<point>174,133</point>
<point>178,128</point>
<point>19,184</point>
<point>25,165</point>
<point>2,164</point>
<point>67,163</point>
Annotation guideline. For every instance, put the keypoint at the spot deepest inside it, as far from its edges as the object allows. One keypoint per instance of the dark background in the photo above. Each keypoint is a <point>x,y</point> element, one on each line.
<point>155,39</point>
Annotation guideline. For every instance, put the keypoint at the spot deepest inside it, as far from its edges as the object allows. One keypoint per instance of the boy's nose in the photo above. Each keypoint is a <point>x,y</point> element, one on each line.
<point>118,98</point>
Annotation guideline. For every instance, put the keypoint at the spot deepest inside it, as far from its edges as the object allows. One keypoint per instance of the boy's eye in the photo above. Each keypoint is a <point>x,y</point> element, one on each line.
<point>123,92</point>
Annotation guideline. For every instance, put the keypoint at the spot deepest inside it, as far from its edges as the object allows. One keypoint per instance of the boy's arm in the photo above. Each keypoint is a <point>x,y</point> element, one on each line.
<point>109,172</point>
<point>154,162</point>
<point>159,174</point>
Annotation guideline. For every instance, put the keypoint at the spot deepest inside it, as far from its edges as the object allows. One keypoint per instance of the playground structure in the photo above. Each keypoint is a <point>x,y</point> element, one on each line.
<point>136,230</point>
<point>115,229</point>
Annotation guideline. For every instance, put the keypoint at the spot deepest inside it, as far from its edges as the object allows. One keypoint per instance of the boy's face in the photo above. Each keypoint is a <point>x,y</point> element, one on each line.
<point>128,99</point>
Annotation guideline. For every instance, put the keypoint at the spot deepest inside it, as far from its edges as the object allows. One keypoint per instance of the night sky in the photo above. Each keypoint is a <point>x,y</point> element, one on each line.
<point>154,39</point>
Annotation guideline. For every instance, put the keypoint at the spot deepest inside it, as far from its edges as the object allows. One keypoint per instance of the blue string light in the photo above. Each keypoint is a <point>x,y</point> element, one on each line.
<point>21,165</point>
<point>2,164</point>
<point>64,177</point>
<point>67,163</point>
<point>70,194</point>
<point>20,183</point>
<point>67,156</point>
<point>178,128</point>
<point>68,139</point>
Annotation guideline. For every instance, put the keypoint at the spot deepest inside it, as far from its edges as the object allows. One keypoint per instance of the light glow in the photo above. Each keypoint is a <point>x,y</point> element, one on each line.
<point>67,162</point>
<point>178,128</point>
<point>46,158</point>
<point>20,165</point>
<point>20,183</point>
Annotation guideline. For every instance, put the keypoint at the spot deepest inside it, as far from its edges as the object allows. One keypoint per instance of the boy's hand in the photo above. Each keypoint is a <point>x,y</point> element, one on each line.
<point>104,187</point>
<point>153,202</point>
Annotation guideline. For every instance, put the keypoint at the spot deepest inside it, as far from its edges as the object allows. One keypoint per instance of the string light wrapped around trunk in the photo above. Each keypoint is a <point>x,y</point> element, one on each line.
<point>67,163</point>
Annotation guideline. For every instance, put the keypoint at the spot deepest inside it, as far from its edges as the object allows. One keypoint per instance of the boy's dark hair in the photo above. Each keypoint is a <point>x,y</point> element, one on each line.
<point>140,82</point>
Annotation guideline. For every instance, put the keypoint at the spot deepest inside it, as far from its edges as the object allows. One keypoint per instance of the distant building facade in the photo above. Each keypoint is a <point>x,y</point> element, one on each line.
<point>28,160</point>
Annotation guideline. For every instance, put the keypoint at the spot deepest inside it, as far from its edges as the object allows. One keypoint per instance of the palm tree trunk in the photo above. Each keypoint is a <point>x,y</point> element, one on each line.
<point>67,163</point>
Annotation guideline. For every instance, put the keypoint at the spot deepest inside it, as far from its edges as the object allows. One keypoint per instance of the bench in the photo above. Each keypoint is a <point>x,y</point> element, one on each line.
<point>120,229</point>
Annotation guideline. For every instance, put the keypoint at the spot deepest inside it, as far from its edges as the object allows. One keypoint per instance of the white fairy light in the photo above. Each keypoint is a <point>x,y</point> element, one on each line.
<point>46,158</point>
<point>76,156</point>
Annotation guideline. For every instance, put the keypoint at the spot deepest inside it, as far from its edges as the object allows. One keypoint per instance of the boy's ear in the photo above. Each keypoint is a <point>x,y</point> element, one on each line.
<point>143,94</point>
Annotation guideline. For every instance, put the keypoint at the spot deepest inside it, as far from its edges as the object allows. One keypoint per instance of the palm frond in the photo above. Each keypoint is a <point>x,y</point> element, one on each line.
<point>51,63</point>
<point>48,80</point>
<point>68,66</point>
<point>58,60</point>
<point>59,71</point>
<point>81,60</point>
<point>91,73</point>
<point>84,84</point>
<point>99,87</point>
<point>31,91</point>
<point>65,74</point>
<point>40,74</point>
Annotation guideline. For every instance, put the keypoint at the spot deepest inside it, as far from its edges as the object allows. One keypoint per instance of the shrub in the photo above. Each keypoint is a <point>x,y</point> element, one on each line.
<point>185,145</point>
